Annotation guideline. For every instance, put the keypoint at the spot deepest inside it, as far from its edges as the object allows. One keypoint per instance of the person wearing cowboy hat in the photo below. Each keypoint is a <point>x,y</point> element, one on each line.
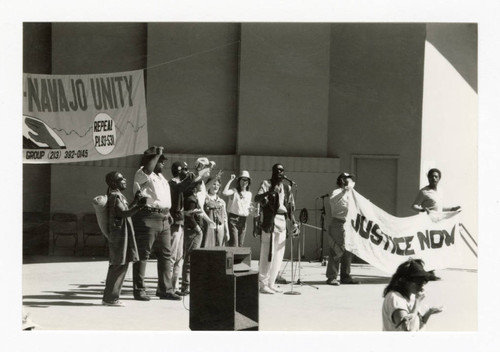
<point>204,167</point>
<point>402,309</point>
<point>239,203</point>
<point>152,226</point>
<point>338,257</point>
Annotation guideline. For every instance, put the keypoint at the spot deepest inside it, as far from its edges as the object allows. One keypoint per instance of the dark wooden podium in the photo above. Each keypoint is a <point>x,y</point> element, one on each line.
<point>224,291</point>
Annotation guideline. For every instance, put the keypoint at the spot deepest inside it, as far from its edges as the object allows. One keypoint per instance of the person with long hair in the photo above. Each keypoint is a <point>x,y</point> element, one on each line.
<point>121,240</point>
<point>238,207</point>
<point>402,309</point>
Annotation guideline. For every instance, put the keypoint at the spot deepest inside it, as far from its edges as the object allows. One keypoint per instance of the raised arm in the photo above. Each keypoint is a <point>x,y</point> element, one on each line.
<point>150,165</point>
<point>226,191</point>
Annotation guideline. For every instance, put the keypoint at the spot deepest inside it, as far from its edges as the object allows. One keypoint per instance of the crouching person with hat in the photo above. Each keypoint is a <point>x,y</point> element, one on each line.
<point>403,309</point>
<point>121,239</point>
<point>152,226</point>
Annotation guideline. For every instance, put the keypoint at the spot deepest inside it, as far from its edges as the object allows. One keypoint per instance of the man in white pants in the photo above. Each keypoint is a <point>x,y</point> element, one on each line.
<point>277,205</point>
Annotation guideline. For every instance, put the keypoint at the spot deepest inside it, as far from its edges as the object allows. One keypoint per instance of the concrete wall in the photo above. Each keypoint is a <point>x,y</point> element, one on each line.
<point>450,117</point>
<point>283,106</point>
<point>192,86</point>
<point>376,81</point>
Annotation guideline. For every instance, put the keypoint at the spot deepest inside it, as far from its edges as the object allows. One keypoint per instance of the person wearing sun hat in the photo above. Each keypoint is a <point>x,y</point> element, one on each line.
<point>239,203</point>
<point>402,309</point>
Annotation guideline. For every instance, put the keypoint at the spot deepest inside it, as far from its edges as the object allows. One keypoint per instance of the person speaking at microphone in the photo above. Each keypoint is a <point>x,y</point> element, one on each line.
<point>277,204</point>
<point>338,257</point>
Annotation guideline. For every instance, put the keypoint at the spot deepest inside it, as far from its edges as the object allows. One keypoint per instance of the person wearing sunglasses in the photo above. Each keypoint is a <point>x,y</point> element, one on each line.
<point>403,309</point>
<point>121,239</point>
<point>277,204</point>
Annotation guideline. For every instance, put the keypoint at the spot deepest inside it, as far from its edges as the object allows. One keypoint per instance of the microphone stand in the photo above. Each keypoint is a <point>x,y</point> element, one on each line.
<point>322,222</point>
<point>299,282</point>
<point>292,292</point>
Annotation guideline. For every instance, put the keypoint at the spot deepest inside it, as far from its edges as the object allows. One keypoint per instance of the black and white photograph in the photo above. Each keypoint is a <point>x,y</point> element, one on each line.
<point>307,178</point>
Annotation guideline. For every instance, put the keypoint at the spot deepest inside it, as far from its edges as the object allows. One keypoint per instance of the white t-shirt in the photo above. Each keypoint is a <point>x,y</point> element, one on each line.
<point>430,198</point>
<point>339,203</point>
<point>394,301</point>
<point>155,187</point>
<point>239,205</point>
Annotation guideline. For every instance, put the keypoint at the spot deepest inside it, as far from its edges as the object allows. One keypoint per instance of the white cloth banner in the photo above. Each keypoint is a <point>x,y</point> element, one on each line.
<point>68,118</point>
<point>385,241</point>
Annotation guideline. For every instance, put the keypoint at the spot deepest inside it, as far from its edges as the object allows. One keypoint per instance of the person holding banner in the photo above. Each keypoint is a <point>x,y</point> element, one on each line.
<point>277,205</point>
<point>402,309</point>
<point>121,240</point>
<point>152,226</point>
<point>338,257</point>
<point>430,197</point>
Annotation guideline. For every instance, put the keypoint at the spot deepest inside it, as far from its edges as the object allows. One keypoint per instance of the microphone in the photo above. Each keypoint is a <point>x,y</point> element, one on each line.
<point>286,178</point>
<point>323,196</point>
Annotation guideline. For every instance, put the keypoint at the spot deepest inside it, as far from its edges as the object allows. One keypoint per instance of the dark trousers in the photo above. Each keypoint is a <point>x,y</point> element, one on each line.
<point>114,282</point>
<point>152,232</point>
<point>338,257</point>
<point>237,228</point>
<point>192,240</point>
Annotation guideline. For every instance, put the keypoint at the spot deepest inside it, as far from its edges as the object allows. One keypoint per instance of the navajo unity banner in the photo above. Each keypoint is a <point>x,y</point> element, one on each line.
<point>385,241</point>
<point>70,118</point>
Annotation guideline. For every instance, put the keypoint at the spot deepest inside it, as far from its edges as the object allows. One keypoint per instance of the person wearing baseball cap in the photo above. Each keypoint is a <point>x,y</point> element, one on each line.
<point>402,309</point>
<point>338,257</point>
<point>182,181</point>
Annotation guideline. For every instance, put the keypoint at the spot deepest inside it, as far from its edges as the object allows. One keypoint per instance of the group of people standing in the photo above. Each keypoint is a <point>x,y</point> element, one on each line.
<point>175,217</point>
<point>171,219</point>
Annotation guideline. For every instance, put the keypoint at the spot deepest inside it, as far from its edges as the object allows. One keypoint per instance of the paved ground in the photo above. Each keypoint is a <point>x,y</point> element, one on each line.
<point>65,294</point>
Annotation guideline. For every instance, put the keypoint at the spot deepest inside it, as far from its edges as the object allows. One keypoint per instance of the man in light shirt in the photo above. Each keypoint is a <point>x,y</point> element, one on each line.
<point>430,197</point>
<point>152,225</point>
<point>338,257</point>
